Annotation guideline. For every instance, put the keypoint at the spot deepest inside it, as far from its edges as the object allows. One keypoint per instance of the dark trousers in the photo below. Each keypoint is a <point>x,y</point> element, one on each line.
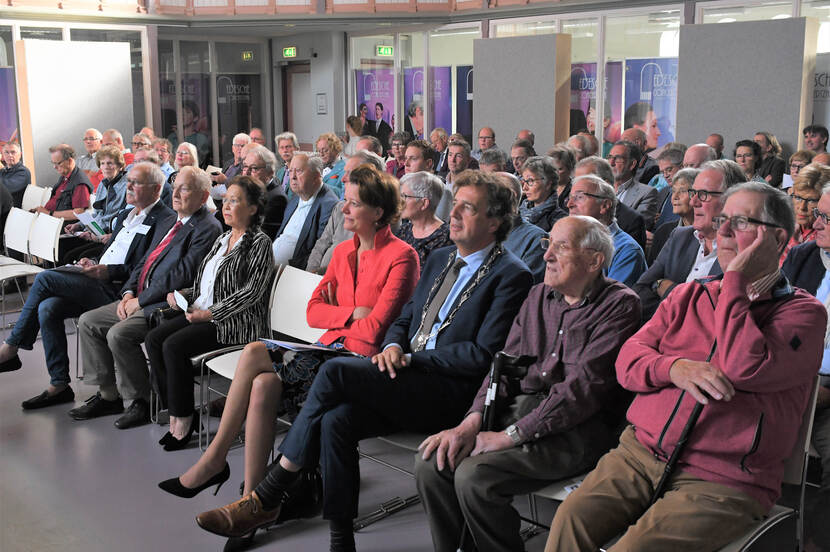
<point>170,347</point>
<point>351,400</point>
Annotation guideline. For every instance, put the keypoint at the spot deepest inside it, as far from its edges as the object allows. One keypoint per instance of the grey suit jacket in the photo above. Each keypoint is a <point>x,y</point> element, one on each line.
<point>673,263</point>
<point>643,199</point>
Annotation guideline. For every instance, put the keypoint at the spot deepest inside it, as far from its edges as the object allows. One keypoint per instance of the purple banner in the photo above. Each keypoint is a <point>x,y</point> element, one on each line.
<point>652,83</point>
<point>584,95</point>
<point>8,106</point>
<point>464,101</point>
<point>373,86</point>
<point>441,101</point>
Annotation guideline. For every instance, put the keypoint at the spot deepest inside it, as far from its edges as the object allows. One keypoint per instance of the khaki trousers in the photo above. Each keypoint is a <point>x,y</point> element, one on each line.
<point>693,515</point>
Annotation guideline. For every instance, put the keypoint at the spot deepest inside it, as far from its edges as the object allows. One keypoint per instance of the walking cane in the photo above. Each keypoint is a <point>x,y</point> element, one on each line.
<point>681,442</point>
<point>512,367</point>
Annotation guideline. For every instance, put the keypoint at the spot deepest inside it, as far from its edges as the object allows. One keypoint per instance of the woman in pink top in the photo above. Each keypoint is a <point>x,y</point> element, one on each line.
<point>366,285</point>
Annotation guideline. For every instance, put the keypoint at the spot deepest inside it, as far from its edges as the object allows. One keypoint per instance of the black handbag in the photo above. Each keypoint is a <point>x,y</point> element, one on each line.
<point>160,315</point>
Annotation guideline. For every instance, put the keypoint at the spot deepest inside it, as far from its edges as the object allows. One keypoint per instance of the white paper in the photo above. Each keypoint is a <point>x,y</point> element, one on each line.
<point>294,346</point>
<point>180,300</point>
<point>213,170</point>
<point>787,182</point>
<point>86,219</point>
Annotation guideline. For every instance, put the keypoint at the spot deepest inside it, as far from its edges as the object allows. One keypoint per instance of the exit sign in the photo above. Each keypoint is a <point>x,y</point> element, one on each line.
<point>247,55</point>
<point>289,52</point>
<point>384,51</point>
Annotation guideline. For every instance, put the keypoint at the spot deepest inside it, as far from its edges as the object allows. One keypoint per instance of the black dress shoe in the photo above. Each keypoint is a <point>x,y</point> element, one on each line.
<point>11,364</point>
<point>136,415</point>
<point>45,399</point>
<point>173,444</point>
<point>96,406</point>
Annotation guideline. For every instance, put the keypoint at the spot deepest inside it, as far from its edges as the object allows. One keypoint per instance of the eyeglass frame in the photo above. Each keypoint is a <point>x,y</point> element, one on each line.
<point>719,220</point>
<point>703,195</point>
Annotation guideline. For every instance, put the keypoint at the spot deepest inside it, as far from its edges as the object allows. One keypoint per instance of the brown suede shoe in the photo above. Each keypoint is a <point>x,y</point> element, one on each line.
<point>238,518</point>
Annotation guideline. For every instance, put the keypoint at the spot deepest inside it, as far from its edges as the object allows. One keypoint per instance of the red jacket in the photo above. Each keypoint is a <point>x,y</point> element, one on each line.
<point>385,282</point>
<point>769,349</point>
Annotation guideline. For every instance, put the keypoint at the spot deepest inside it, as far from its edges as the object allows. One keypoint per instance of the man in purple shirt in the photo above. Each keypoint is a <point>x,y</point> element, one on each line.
<point>559,419</point>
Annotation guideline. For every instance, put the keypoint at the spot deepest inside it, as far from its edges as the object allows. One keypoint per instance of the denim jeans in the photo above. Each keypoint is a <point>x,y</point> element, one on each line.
<point>53,297</point>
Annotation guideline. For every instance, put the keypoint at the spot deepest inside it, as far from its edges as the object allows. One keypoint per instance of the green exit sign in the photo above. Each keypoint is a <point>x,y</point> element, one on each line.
<point>247,55</point>
<point>384,51</point>
<point>289,52</point>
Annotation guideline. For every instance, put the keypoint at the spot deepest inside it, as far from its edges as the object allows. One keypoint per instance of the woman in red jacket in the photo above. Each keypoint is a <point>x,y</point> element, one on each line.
<point>366,285</point>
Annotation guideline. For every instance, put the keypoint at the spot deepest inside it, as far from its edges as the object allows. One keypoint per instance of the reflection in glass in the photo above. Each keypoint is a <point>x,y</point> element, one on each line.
<point>238,92</point>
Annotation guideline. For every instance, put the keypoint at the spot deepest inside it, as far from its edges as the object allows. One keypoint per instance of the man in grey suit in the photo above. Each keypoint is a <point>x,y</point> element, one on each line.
<point>111,335</point>
<point>307,213</point>
<point>624,157</point>
<point>691,251</point>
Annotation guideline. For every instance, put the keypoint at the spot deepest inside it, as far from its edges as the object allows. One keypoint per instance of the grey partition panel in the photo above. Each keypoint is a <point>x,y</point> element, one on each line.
<point>522,82</point>
<point>739,78</point>
<point>65,88</point>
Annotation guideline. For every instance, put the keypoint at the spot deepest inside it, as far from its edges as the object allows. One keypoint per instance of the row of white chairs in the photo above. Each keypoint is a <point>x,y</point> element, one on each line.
<point>36,196</point>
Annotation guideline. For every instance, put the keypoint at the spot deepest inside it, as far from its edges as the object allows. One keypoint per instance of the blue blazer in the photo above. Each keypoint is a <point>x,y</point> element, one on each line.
<point>465,348</point>
<point>314,224</point>
<point>673,263</point>
<point>176,267</point>
<point>156,219</point>
<point>804,268</point>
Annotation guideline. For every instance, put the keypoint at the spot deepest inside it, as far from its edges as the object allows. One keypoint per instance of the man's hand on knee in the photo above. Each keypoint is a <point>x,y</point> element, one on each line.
<point>492,441</point>
<point>390,360</point>
<point>451,446</point>
<point>701,378</point>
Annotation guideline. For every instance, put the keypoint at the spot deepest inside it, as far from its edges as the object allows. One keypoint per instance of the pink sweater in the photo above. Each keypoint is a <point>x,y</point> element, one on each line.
<point>769,349</point>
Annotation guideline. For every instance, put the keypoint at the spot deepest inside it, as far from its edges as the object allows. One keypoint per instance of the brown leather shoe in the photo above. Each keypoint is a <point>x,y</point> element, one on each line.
<point>238,518</point>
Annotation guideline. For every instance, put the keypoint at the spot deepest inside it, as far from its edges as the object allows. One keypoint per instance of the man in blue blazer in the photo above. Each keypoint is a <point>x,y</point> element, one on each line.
<point>433,360</point>
<point>59,294</point>
<point>306,214</point>
<point>111,335</point>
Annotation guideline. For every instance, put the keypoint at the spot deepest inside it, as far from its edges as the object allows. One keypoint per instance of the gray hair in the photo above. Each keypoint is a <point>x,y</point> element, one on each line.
<point>287,136</point>
<point>543,167</point>
<point>687,175</point>
<point>154,174</point>
<point>94,131</point>
<point>583,143</point>
<point>564,154</point>
<point>242,136</point>
<point>672,155</point>
<point>426,185</point>
<point>315,163</point>
<point>599,166</point>
<point>515,185</point>
<point>376,146</point>
<point>598,237</point>
<point>265,156</point>
<point>193,153</point>
<point>199,178</point>
<point>114,134</point>
<point>602,189</point>
<point>371,158</point>
<point>731,172</point>
<point>493,156</point>
<point>778,206</point>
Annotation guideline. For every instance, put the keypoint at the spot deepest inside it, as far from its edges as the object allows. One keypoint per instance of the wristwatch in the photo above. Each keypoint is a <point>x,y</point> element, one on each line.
<point>513,432</point>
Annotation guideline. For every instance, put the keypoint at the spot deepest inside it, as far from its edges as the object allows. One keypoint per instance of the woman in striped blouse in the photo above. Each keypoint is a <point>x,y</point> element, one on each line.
<point>228,306</point>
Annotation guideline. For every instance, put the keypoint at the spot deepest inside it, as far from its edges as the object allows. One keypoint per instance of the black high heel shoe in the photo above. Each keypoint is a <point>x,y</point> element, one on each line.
<point>165,438</point>
<point>178,444</point>
<point>174,486</point>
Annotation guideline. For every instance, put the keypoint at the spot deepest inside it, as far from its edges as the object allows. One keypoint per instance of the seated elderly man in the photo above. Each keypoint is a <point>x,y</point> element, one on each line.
<point>58,294</point>
<point>698,154</point>
<point>232,168</point>
<point>14,176</point>
<point>747,346</point>
<point>260,163</point>
<point>691,251</point>
<point>562,415</point>
<point>591,196</point>
<point>334,233</point>
<point>70,195</point>
<point>111,335</point>
<point>307,213</point>
<point>434,357</point>
<point>493,160</point>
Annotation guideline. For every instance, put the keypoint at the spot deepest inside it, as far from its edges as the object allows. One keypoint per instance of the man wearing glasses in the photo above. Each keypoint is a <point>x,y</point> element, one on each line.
<point>624,157</point>
<point>559,418</point>
<point>691,251</point>
<point>260,163</point>
<point>747,346</point>
<point>87,162</point>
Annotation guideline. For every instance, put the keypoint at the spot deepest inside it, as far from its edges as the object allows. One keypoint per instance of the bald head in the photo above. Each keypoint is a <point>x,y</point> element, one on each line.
<point>715,141</point>
<point>697,155</point>
<point>636,136</point>
<point>525,134</point>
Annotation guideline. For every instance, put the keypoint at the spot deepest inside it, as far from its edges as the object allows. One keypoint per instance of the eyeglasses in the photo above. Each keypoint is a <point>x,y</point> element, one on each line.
<point>88,139</point>
<point>252,168</point>
<point>740,222</point>
<point>743,155</point>
<point>468,208</point>
<point>486,137</point>
<point>532,181</point>
<point>614,158</point>
<point>796,167</point>
<point>140,144</point>
<point>559,248</point>
<point>579,197</point>
<point>668,171</point>
<point>825,217</point>
<point>407,196</point>
<point>703,195</point>
<point>297,171</point>
<point>810,201</point>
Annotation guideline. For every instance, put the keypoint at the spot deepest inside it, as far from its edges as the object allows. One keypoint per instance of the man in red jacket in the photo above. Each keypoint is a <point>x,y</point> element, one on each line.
<point>748,346</point>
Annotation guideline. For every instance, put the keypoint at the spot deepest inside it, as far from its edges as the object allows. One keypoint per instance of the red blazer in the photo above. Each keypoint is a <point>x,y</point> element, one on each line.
<point>386,279</point>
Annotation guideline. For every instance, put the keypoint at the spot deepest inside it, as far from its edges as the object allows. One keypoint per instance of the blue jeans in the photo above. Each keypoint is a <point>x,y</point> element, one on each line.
<point>53,297</point>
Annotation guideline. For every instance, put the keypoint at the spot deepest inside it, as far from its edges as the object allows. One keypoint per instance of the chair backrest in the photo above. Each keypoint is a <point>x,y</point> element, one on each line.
<point>47,195</point>
<point>43,241</point>
<point>18,227</point>
<point>796,465</point>
<point>32,197</point>
<point>289,300</point>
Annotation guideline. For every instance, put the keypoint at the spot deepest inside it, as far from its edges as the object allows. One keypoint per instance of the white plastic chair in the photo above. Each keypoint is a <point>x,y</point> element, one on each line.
<point>33,197</point>
<point>19,225</point>
<point>43,240</point>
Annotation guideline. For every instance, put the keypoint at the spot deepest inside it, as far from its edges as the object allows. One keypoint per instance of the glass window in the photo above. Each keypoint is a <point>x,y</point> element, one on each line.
<point>167,96</point>
<point>8,90</point>
<point>238,92</point>
<point>450,72</point>
<point>641,76</point>
<point>820,9</point>
<point>6,47</point>
<point>41,33</point>
<point>584,49</point>
<point>414,84</point>
<point>776,9</point>
<point>136,63</point>
<point>520,27</point>
<point>196,125</point>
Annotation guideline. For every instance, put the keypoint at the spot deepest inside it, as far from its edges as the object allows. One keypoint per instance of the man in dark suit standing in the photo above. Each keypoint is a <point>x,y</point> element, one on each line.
<point>57,294</point>
<point>433,359</point>
<point>307,213</point>
<point>111,335</point>
<point>380,128</point>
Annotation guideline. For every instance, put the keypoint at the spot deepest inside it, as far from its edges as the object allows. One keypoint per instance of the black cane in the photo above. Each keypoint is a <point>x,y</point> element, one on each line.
<point>512,367</point>
<point>681,442</point>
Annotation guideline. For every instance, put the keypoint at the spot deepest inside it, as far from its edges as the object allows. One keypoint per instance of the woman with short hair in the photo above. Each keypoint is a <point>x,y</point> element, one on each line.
<point>539,182</point>
<point>420,227</point>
